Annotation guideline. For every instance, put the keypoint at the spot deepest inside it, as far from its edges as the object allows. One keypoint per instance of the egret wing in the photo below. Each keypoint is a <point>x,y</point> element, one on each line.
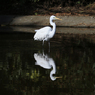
<point>42,34</point>
<point>41,61</point>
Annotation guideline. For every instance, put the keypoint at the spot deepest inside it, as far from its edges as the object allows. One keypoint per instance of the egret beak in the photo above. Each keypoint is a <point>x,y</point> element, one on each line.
<point>58,18</point>
<point>58,77</point>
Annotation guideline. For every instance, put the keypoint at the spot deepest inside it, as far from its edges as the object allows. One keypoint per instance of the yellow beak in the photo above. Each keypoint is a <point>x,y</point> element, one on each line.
<point>58,77</point>
<point>58,18</point>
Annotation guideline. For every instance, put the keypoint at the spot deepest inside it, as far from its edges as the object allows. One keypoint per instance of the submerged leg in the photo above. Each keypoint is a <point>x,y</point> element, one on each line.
<point>49,45</point>
<point>43,43</point>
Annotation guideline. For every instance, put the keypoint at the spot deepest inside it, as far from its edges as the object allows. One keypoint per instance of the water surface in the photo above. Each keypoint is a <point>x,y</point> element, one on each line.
<point>71,58</point>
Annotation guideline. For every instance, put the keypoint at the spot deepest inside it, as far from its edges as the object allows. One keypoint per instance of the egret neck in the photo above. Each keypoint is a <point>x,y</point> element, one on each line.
<point>53,30</point>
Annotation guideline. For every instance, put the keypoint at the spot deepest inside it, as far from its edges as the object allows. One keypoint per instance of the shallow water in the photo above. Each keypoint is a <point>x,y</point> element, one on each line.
<point>28,68</point>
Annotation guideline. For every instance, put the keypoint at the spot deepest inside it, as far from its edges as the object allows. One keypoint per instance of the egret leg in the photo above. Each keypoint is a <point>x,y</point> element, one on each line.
<point>43,52</point>
<point>49,45</point>
<point>43,43</point>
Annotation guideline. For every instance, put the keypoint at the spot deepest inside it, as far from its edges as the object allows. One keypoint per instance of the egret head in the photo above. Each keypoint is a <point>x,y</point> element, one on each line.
<point>54,18</point>
<point>54,77</point>
<point>53,71</point>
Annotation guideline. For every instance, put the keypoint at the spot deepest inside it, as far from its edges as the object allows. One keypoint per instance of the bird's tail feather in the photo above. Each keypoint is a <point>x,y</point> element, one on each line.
<point>36,30</point>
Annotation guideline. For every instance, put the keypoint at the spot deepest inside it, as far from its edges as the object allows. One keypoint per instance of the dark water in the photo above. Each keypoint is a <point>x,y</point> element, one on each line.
<point>27,68</point>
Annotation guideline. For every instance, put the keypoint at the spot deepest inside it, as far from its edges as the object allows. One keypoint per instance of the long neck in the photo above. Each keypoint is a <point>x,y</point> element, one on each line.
<point>53,71</point>
<point>51,74</point>
<point>54,28</point>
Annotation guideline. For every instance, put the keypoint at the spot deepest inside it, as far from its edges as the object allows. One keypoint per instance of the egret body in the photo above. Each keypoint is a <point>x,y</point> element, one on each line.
<point>47,63</point>
<point>46,33</point>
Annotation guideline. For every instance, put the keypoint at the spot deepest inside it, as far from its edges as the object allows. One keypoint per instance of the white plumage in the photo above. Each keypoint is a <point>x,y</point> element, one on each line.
<point>42,34</point>
<point>47,63</point>
<point>45,33</point>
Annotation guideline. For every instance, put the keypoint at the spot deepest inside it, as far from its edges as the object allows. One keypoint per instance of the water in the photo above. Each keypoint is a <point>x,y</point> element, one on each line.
<point>71,59</point>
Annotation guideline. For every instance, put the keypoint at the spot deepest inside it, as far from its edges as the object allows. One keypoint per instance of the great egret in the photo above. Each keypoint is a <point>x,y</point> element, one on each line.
<point>45,33</point>
<point>47,63</point>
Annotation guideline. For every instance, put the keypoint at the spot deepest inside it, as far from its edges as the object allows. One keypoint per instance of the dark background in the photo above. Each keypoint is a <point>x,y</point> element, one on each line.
<point>46,7</point>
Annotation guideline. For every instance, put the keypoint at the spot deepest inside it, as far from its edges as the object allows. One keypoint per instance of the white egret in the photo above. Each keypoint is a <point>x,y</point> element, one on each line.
<point>45,33</point>
<point>47,63</point>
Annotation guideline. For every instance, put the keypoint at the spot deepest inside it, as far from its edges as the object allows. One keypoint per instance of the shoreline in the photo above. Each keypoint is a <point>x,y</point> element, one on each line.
<point>67,21</point>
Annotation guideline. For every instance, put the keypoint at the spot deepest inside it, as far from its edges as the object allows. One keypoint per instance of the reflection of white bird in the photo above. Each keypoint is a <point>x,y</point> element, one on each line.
<point>45,33</point>
<point>46,62</point>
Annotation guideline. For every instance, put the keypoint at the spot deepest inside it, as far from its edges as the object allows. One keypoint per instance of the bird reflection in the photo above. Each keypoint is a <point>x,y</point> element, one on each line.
<point>46,62</point>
